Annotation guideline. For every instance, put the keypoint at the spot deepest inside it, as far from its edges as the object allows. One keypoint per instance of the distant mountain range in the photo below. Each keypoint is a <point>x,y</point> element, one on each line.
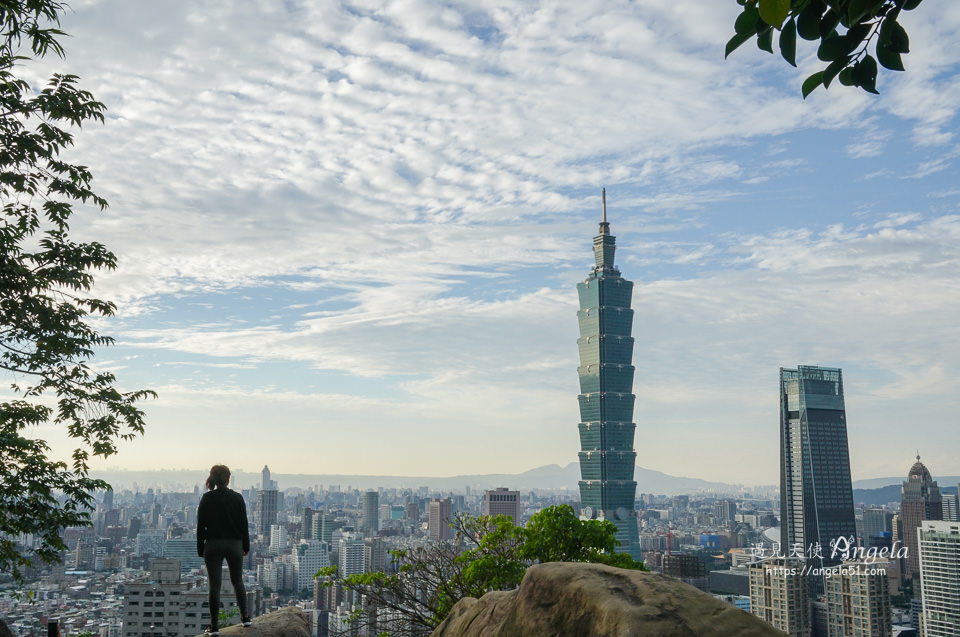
<point>891,493</point>
<point>876,483</point>
<point>547,477</point>
<point>873,491</point>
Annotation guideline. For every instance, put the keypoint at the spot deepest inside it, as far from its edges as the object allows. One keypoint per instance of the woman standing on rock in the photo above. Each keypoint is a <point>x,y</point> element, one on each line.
<point>222,534</point>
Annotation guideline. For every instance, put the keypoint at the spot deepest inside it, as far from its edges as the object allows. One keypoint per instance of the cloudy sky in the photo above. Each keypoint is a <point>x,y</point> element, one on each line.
<point>350,232</point>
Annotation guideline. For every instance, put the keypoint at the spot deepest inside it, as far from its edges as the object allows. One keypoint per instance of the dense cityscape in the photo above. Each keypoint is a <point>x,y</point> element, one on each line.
<point>810,562</point>
<point>708,540</point>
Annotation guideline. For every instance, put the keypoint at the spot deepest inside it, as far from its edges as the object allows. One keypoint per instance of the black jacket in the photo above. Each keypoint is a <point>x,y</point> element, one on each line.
<point>222,515</point>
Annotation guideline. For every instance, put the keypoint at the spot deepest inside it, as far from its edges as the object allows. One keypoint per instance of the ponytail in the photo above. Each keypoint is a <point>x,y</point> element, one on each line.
<point>219,477</point>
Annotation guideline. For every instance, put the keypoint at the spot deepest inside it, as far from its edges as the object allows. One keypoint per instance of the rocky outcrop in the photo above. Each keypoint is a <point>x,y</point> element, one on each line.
<point>601,601</point>
<point>286,622</point>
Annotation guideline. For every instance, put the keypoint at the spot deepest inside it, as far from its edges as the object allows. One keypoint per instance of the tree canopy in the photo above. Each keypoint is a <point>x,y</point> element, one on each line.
<point>47,342</point>
<point>487,554</point>
<point>847,32</point>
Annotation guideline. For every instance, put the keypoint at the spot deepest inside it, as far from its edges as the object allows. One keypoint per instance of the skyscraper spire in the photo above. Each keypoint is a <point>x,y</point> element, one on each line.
<point>604,244</point>
<point>604,226</point>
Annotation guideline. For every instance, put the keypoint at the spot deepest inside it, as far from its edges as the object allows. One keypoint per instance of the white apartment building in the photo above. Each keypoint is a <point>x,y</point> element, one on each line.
<point>311,556</point>
<point>939,544</point>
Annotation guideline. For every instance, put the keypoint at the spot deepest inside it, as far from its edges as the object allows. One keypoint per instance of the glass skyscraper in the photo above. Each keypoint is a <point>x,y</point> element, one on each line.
<point>607,458</point>
<point>816,494</point>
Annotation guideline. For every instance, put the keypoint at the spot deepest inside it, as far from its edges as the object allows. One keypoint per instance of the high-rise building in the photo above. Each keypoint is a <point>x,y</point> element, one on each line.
<point>278,539</point>
<point>919,501</point>
<point>350,556</point>
<point>311,555</point>
<point>266,483</point>
<point>306,524</point>
<point>151,543</point>
<point>323,527</point>
<point>607,458</point>
<point>951,507</point>
<point>184,550</point>
<point>939,544</point>
<point>780,595</point>
<point>438,524</point>
<point>725,510</point>
<point>877,528</point>
<point>268,505</point>
<point>502,501</point>
<point>896,529</point>
<point>858,601</point>
<point>816,494</point>
<point>374,555</point>
<point>83,554</point>
<point>370,513</point>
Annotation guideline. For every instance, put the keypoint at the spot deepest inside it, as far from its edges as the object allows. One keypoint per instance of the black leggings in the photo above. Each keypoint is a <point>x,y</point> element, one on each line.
<point>214,552</point>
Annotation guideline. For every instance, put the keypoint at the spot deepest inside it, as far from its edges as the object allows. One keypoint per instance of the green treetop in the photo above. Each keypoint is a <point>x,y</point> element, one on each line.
<point>46,340</point>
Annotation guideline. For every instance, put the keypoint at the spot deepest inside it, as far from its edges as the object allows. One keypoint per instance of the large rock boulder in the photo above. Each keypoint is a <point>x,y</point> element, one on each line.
<point>286,622</point>
<point>560,598</point>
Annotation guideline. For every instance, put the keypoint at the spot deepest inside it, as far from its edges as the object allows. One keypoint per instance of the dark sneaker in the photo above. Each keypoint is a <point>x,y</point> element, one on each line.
<point>246,622</point>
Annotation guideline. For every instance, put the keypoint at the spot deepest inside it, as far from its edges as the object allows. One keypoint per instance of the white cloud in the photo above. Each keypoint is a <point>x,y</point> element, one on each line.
<point>404,193</point>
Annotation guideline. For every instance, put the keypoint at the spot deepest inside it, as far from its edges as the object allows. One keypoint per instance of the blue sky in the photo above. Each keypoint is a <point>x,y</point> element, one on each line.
<point>349,233</point>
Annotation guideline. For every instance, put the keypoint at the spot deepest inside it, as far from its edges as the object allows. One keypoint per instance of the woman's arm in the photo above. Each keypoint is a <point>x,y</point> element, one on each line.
<point>201,525</point>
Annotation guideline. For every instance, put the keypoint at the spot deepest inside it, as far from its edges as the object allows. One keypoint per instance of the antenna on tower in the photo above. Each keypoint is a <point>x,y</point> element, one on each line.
<point>603,195</point>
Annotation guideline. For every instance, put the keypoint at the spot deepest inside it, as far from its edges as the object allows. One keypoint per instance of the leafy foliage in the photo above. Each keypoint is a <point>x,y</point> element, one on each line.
<point>46,341</point>
<point>487,554</point>
<point>556,534</point>
<point>865,25</point>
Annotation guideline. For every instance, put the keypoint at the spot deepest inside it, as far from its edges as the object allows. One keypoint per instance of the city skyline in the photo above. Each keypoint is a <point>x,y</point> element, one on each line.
<point>348,227</point>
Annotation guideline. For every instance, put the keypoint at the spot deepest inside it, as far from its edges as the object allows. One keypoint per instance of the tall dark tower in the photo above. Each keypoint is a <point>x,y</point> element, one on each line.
<point>816,494</point>
<point>607,458</point>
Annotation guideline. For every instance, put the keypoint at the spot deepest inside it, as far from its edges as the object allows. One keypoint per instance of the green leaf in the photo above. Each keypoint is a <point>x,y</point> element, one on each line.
<point>808,22</point>
<point>833,69</point>
<point>765,40</point>
<point>747,21</point>
<point>910,5</point>
<point>888,58</point>
<point>900,41</point>
<point>774,12</point>
<point>735,42</point>
<point>894,36</point>
<point>811,83</point>
<point>846,77</point>
<point>832,48</point>
<point>861,8</point>
<point>865,74</point>
<point>788,42</point>
<point>829,22</point>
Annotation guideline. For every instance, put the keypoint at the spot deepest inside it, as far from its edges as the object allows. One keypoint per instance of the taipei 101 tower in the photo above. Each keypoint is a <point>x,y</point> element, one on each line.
<point>607,458</point>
